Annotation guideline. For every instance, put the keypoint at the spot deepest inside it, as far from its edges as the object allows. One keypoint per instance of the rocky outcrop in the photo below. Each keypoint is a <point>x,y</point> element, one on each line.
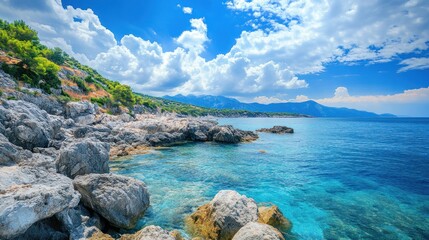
<point>276,129</point>
<point>258,231</point>
<point>81,112</point>
<point>26,125</point>
<point>29,194</point>
<point>222,217</point>
<point>229,134</point>
<point>151,233</point>
<point>120,200</point>
<point>79,222</point>
<point>83,156</point>
<point>11,154</point>
<point>274,217</point>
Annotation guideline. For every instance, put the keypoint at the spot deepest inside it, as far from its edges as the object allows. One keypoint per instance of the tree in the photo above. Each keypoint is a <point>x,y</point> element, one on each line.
<point>57,56</point>
<point>123,94</point>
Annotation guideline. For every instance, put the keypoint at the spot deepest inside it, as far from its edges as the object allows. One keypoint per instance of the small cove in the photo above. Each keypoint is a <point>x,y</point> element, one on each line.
<point>333,178</point>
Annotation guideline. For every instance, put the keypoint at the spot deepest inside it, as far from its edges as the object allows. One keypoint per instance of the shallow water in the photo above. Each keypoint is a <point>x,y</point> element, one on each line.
<point>333,178</point>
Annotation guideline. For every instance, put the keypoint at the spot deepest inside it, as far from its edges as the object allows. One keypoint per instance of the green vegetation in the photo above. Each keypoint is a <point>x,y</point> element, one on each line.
<point>34,65</point>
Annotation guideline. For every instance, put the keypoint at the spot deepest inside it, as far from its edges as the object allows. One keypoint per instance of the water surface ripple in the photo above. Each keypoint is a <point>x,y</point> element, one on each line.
<point>333,178</point>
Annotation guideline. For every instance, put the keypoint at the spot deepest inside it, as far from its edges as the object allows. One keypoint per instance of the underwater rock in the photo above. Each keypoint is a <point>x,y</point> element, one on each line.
<point>277,130</point>
<point>274,217</point>
<point>258,231</point>
<point>222,217</point>
<point>120,200</point>
<point>151,233</point>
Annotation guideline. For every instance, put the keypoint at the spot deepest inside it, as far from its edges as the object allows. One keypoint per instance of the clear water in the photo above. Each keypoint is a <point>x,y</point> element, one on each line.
<point>333,178</point>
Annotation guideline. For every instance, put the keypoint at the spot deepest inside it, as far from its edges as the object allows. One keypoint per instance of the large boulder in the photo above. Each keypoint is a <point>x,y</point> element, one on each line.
<point>150,233</point>
<point>11,154</point>
<point>120,200</point>
<point>228,134</point>
<point>223,216</point>
<point>81,112</point>
<point>29,194</point>
<point>258,231</point>
<point>274,217</point>
<point>26,125</point>
<point>83,156</point>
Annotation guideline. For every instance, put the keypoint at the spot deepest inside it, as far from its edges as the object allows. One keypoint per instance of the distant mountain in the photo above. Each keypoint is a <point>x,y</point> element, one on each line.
<point>311,108</point>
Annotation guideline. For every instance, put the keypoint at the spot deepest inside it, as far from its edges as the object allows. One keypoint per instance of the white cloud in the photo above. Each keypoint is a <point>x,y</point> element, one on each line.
<point>58,26</point>
<point>195,39</point>
<point>414,64</point>
<point>187,10</point>
<point>408,96</point>
<point>326,31</point>
<point>301,98</point>
<point>341,92</point>
<point>398,103</point>
<point>268,100</point>
<point>302,38</point>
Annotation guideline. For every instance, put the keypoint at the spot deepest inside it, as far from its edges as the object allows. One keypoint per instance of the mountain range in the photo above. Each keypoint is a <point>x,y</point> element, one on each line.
<point>310,107</point>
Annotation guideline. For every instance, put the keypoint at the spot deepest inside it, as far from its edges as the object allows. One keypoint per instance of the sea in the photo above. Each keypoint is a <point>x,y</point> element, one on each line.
<point>332,178</point>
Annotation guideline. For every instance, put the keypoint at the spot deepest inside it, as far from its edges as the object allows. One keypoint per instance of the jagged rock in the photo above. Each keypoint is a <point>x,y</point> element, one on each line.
<point>11,154</point>
<point>258,231</point>
<point>81,112</point>
<point>274,217</point>
<point>83,156</point>
<point>26,125</point>
<point>6,81</point>
<point>120,200</point>
<point>277,130</point>
<point>164,138</point>
<point>78,222</point>
<point>222,217</point>
<point>29,194</point>
<point>150,233</point>
<point>45,102</point>
<point>228,134</point>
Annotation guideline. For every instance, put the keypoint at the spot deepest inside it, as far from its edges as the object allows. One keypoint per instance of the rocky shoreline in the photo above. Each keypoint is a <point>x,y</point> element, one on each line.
<point>55,181</point>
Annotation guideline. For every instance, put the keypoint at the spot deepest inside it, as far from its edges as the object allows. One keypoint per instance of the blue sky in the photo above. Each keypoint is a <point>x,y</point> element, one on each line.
<point>369,55</point>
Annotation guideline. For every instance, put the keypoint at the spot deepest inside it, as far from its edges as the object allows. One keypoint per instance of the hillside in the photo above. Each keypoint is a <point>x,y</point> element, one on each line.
<point>311,108</point>
<point>53,72</point>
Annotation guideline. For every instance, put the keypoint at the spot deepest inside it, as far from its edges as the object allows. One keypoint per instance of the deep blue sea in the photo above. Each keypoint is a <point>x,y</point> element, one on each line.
<point>333,178</point>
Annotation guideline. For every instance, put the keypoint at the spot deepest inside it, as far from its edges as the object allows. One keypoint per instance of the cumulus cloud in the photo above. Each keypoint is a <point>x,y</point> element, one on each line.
<point>301,38</point>
<point>187,10</point>
<point>414,64</point>
<point>327,31</point>
<point>341,92</point>
<point>195,39</point>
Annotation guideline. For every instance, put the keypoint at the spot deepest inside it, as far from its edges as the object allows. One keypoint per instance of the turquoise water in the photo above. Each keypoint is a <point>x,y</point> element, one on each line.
<point>333,178</point>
